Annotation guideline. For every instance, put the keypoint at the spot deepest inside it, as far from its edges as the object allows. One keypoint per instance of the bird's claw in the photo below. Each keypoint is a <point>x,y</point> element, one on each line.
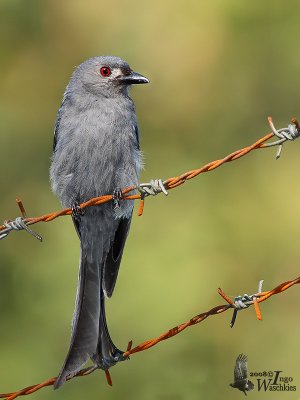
<point>77,211</point>
<point>117,197</point>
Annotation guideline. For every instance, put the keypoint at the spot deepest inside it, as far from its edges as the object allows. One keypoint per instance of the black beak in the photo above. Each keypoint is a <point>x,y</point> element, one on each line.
<point>134,78</point>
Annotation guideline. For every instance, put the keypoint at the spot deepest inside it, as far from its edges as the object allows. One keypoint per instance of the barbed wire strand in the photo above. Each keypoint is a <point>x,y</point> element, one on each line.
<point>260,297</point>
<point>290,133</point>
<point>284,134</point>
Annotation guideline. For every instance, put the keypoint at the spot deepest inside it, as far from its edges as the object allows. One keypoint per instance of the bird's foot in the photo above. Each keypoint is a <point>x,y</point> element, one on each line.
<point>77,211</point>
<point>106,362</point>
<point>116,357</point>
<point>117,197</point>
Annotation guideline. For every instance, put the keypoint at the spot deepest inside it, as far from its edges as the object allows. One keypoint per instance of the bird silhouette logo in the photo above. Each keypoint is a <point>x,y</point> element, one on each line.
<point>241,380</point>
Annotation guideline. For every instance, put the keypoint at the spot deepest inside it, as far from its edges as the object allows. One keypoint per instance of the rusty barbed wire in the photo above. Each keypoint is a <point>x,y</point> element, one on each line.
<point>254,299</point>
<point>154,187</point>
<point>289,133</point>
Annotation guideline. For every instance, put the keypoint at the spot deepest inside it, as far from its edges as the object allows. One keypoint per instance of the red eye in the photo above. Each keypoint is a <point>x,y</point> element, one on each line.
<point>105,71</point>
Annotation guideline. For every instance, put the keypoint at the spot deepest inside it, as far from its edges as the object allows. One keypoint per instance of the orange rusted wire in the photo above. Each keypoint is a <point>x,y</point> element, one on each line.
<point>260,297</point>
<point>257,309</point>
<point>225,297</point>
<point>170,183</point>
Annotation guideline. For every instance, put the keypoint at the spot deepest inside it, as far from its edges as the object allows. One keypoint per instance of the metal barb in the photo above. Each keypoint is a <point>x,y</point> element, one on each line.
<point>260,286</point>
<point>292,132</point>
<point>234,315</point>
<point>242,302</point>
<point>21,207</point>
<point>167,335</point>
<point>18,224</point>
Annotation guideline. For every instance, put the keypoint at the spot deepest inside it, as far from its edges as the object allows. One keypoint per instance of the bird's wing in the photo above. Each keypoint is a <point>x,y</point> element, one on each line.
<point>240,369</point>
<point>137,136</point>
<point>58,119</point>
<point>113,260</point>
<point>56,129</point>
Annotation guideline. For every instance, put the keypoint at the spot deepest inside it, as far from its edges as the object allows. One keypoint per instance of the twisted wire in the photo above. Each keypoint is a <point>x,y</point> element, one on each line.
<point>261,297</point>
<point>153,188</point>
<point>159,186</point>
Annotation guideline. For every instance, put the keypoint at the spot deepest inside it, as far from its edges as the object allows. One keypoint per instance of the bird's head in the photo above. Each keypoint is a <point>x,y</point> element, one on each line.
<point>106,76</point>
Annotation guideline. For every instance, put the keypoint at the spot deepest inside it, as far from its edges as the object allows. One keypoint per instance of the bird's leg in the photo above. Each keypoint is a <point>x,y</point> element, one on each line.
<point>77,211</point>
<point>117,197</point>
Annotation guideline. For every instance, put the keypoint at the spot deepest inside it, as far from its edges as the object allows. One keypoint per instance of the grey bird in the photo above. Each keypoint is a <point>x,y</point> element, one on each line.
<point>96,152</point>
<point>241,380</point>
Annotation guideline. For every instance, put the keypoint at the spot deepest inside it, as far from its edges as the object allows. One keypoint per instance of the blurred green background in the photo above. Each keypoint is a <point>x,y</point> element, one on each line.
<point>217,70</point>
